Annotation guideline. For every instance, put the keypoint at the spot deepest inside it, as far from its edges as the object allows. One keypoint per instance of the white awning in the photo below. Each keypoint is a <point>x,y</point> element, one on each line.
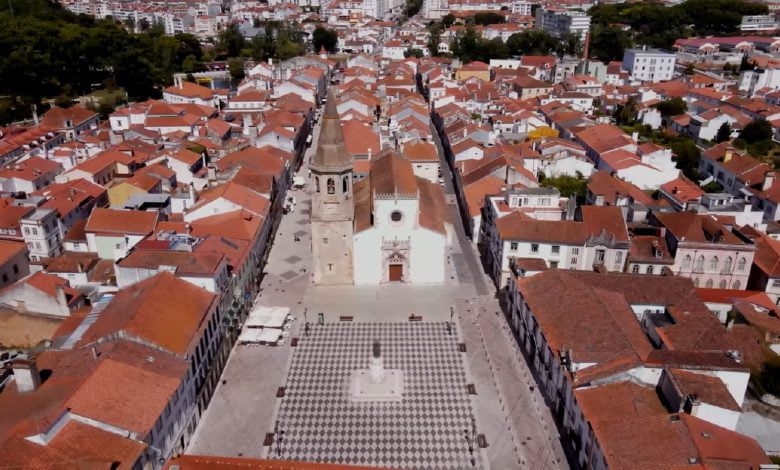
<point>255,335</point>
<point>299,181</point>
<point>267,317</point>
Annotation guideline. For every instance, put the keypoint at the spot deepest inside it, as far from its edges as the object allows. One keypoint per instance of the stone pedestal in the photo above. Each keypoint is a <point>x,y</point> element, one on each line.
<point>376,383</point>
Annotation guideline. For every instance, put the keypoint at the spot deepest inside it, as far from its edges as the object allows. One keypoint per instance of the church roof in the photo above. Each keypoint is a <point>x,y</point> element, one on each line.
<point>332,154</point>
<point>392,177</point>
<point>392,174</point>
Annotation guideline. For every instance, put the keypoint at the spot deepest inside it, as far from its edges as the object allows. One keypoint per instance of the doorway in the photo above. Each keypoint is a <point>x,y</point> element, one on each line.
<point>395,272</point>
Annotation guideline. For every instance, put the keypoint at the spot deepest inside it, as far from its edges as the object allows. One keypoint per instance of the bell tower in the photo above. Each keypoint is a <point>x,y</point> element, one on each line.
<point>332,209</point>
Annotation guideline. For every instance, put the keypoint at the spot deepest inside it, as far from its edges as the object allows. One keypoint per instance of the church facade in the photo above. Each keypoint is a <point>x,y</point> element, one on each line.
<point>390,227</point>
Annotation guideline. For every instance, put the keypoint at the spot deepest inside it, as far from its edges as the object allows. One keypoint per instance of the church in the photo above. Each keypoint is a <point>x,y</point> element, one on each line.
<point>388,227</point>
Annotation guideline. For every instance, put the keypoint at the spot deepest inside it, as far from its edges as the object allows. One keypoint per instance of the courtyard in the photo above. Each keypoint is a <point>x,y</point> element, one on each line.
<point>471,401</point>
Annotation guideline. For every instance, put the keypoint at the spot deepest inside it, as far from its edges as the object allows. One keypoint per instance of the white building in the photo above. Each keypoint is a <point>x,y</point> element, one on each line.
<point>388,227</point>
<point>766,24</point>
<point>400,230</point>
<point>654,65</point>
<point>43,234</point>
<point>559,22</point>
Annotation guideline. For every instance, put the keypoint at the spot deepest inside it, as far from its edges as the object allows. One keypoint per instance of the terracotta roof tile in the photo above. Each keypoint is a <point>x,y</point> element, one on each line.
<point>105,221</point>
<point>147,310</point>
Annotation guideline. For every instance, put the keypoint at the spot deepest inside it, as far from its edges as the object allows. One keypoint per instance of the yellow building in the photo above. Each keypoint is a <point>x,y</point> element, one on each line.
<point>475,69</point>
<point>119,193</point>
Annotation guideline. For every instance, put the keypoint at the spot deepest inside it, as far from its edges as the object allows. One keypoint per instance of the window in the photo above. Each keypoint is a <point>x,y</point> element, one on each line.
<point>317,183</point>
<point>330,267</point>
<point>573,262</point>
<point>37,246</point>
<point>575,251</point>
<point>776,283</point>
<point>709,284</point>
<point>727,264</point>
<point>513,246</point>
<point>556,249</point>
<point>534,248</point>
<point>686,262</point>
<point>344,184</point>
<point>618,257</point>
<point>635,269</point>
<point>26,231</point>
<point>600,254</point>
<point>736,285</point>
<point>714,262</point>
<point>723,284</point>
<point>741,264</point>
<point>331,186</point>
<point>325,241</point>
<point>649,269</point>
<point>35,231</point>
<point>16,269</point>
<point>396,216</point>
<point>699,263</point>
<point>695,282</point>
<point>5,277</point>
<point>553,265</point>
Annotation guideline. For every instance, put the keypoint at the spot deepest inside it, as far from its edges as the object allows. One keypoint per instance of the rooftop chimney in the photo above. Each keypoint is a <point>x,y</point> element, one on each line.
<point>728,154</point>
<point>769,180</point>
<point>26,375</point>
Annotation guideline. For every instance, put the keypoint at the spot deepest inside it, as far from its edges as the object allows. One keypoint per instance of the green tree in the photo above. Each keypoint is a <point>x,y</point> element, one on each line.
<point>672,107</point>
<point>466,45</point>
<point>230,41</point>
<point>688,156</point>
<point>756,130</point>
<point>626,114</point>
<point>413,52</point>
<point>448,20</point>
<point>724,133</point>
<point>608,43</point>
<point>412,7</point>
<point>568,185</point>
<point>532,42</point>
<point>488,17</point>
<point>236,68</point>
<point>326,38</point>
<point>433,41</point>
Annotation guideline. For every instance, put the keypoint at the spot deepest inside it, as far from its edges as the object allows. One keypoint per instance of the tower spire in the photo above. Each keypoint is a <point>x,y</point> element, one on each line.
<point>332,154</point>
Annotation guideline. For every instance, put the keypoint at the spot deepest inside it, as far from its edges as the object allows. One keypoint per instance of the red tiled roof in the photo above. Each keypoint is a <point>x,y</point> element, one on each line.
<point>147,310</point>
<point>106,221</point>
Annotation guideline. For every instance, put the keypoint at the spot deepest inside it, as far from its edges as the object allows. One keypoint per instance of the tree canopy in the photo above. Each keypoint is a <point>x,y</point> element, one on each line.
<point>756,130</point>
<point>672,107</point>
<point>724,133</point>
<point>658,25</point>
<point>325,38</point>
<point>51,52</point>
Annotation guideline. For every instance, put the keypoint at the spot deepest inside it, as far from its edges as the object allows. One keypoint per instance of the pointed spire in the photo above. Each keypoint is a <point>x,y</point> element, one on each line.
<point>332,154</point>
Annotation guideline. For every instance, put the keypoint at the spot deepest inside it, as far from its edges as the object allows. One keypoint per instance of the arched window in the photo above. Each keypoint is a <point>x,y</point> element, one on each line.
<point>687,262</point>
<point>331,186</point>
<point>696,282</point>
<point>736,285</point>
<point>344,184</point>
<point>635,269</point>
<point>699,263</point>
<point>709,284</point>
<point>714,263</point>
<point>741,264</point>
<point>649,269</point>
<point>727,264</point>
<point>317,183</point>
<point>723,284</point>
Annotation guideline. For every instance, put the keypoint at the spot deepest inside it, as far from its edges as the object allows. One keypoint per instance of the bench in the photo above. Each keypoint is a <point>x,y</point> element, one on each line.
<point>346,318</point>
<point>415,317</point>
